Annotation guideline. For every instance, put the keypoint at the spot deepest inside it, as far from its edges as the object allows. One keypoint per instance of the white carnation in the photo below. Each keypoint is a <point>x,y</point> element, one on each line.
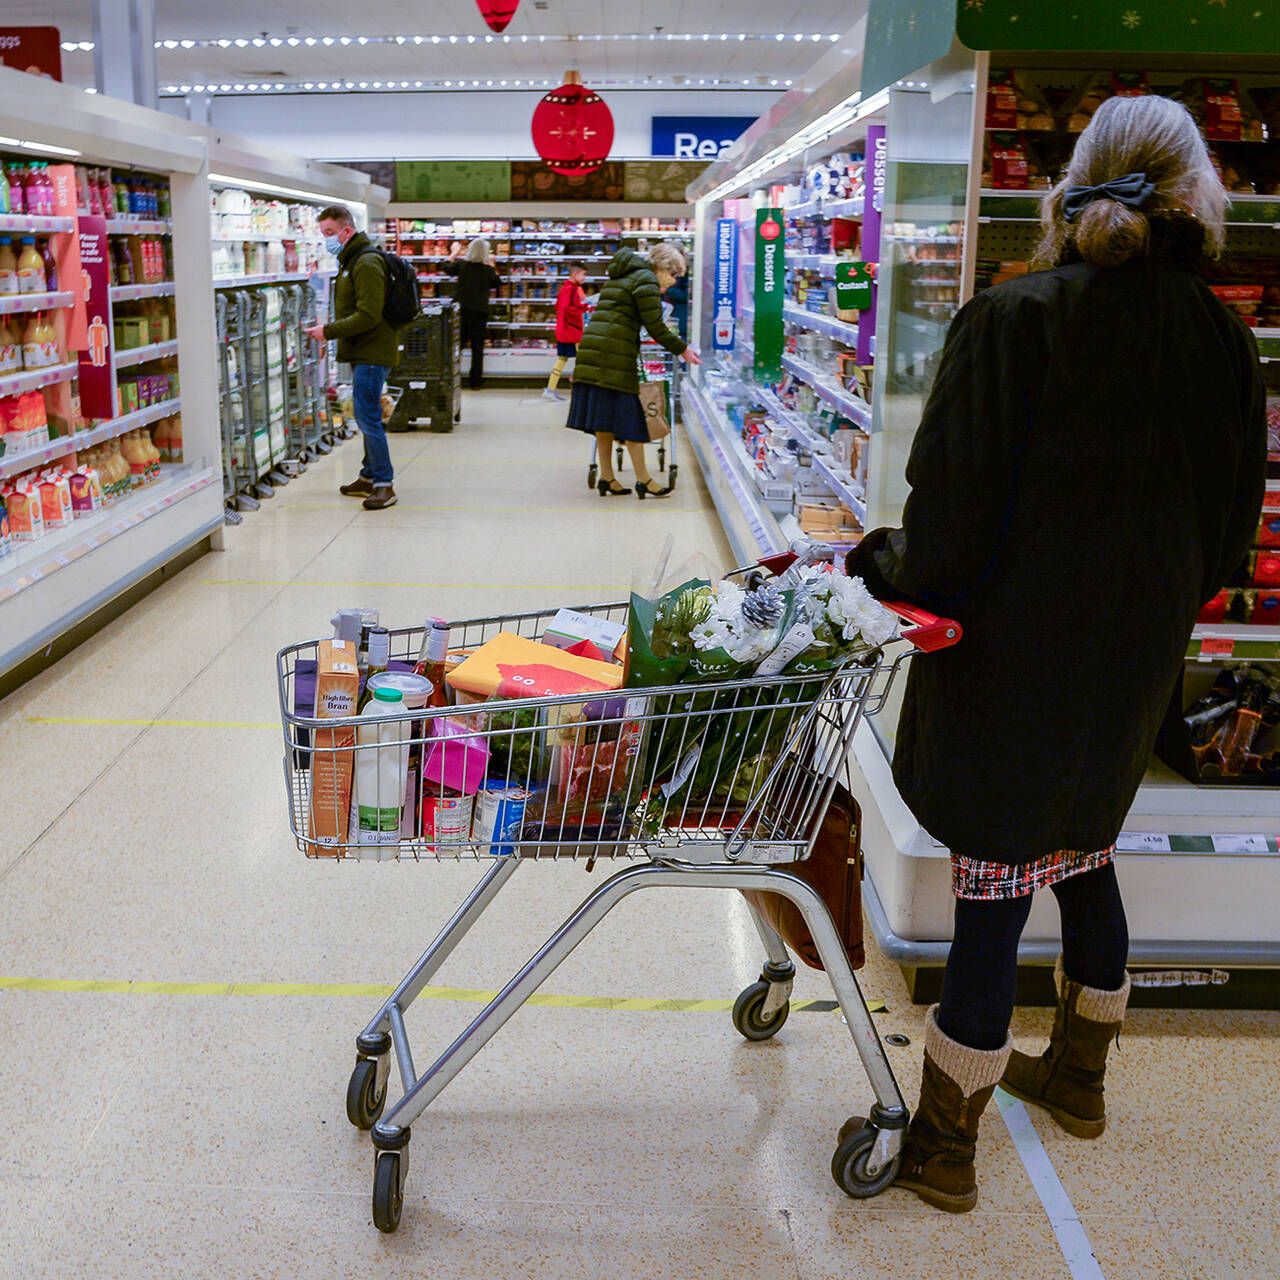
<point>855,612</point>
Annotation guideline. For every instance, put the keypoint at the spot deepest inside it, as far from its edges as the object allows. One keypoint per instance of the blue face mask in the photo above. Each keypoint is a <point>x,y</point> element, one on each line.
<point>333,244</point>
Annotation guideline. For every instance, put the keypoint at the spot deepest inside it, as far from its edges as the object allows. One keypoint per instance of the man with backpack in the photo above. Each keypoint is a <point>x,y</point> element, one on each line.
<point>366,301</point>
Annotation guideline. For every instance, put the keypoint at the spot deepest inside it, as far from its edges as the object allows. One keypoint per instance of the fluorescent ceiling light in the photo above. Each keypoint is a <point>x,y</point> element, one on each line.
<point>45,147</point>
<point>270,188</point>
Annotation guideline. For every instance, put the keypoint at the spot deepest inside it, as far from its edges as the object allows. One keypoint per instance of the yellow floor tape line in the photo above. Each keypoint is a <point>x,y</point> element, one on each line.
<point>146,724</point>
<point>460,995</point>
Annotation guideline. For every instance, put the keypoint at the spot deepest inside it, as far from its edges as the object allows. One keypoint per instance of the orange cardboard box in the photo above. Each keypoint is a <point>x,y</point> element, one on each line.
<point>511,666</point>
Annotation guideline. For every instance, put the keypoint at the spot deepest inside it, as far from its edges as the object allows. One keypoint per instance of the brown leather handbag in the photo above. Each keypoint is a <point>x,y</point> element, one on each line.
<point>834,869</point>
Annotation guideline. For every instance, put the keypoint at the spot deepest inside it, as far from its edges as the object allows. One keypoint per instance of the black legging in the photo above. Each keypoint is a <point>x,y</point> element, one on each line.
<point>982,969</point>
<point>472,326</point>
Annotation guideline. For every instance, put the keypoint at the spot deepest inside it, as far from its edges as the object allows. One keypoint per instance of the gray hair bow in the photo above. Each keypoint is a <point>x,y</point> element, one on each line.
<point>1133,191</point>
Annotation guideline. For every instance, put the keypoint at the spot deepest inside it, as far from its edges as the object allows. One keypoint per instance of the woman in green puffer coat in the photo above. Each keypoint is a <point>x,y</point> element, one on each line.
<point>606,386</point>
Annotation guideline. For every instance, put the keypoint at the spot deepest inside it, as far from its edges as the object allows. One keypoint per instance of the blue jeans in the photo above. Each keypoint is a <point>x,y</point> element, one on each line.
<point>367,381</point>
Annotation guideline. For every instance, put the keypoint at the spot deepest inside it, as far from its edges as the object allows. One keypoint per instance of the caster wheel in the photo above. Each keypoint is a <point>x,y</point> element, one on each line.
<point>747,1016</point>
<point>671,475</point>
<point>662,457</point>
<point>364,1100</point>
<point>619,458</point>
<point>388,1197</point>
<point>849,1166</point>
<point>593,473</point>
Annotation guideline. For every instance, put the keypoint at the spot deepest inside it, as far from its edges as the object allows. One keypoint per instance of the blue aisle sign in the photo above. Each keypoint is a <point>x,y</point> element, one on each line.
<point>724,322</point>
<point>697,137</point>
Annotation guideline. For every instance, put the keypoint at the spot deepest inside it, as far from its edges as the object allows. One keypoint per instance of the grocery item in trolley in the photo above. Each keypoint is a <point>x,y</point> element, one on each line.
<point>447,818</point>
<point>336,692</point>
<point>500,815</point>
<point>381,772</point>
<point>513,666</point>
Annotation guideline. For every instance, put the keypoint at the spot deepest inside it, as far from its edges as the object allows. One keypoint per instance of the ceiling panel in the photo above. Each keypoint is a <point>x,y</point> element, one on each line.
<point>541,43</point>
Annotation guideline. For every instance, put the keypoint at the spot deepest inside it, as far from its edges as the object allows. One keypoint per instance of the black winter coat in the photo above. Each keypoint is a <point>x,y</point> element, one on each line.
<point>1089,470</point>
<point>609,353</point>
<point>476,280</point>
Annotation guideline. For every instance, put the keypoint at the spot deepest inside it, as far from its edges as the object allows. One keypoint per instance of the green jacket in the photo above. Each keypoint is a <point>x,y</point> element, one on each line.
<point>359,292</point>
<point>610,348</point>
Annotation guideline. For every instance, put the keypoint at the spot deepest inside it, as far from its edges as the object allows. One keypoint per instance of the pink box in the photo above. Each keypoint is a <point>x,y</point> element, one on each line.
<point>454,756</point>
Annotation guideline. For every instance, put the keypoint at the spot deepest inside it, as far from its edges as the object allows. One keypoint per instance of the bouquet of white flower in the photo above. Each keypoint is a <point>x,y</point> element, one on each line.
<point>699,633</point>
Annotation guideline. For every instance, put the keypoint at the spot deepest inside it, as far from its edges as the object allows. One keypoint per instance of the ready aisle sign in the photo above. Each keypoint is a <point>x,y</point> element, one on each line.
<point>725,325</point>
<point>770,294</point>
<point>697,137</point>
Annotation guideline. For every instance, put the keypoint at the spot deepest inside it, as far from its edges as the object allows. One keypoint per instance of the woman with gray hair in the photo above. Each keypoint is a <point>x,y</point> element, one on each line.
<point>606,384</point>
<point>476,278</point>
<point>1088,471</point>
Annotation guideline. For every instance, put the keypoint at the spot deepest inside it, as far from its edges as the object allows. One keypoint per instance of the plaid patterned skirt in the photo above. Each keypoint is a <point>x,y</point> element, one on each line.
<point>974,878</point>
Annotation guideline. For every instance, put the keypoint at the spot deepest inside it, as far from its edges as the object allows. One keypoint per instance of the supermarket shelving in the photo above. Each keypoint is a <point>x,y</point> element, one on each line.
<point>35,224</point>
<point>124,226</point>
<point>132,292</point>
<point>829,326</point>
<point>140,355</point>
<point>853,407</point>
<point>18,303</point>
<point>12,464</point>
<point>14,384</point>
<point>280,277</point>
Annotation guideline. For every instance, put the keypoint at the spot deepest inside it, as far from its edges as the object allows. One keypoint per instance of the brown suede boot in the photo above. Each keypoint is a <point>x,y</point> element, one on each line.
<point>938,1151</point>
<point>1066,1080</point>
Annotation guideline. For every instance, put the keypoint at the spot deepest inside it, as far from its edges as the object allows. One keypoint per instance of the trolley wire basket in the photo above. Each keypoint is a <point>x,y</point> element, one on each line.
<point>711,785</point>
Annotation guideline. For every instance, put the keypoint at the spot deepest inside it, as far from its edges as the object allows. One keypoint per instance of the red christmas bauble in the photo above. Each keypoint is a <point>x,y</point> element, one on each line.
<point>573,129</point>
<point>498,13</point>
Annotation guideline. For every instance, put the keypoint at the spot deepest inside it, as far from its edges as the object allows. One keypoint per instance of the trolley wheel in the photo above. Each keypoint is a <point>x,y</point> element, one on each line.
<point>388,1195</point>
<point>671,475</point>
<point>849,1165</point>
<point>364,1100</point>
<point>748,1018</point>
<point>592,473</point>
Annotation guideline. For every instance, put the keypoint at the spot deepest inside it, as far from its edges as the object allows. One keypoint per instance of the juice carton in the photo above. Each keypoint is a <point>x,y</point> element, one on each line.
<point>26,522</point>
<point>55,500</point>
<point>337,691</point>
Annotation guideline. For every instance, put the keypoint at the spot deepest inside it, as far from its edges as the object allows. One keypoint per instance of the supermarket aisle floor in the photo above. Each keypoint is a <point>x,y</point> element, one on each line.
<point>163,1118</point>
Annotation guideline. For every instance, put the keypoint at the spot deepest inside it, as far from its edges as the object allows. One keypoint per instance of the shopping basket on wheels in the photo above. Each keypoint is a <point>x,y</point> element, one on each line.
<point>697,786</point>
<point>656,365</point>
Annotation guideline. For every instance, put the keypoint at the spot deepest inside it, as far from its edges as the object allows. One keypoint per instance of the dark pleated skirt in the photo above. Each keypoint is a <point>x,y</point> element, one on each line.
<point>596,409</point>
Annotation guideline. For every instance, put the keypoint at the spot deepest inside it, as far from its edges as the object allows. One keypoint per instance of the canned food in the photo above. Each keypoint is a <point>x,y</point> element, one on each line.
<point>500,816</point>
<point>446,819</point>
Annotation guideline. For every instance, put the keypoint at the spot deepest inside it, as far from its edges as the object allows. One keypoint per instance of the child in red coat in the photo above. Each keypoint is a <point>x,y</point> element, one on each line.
<point>571,305</point>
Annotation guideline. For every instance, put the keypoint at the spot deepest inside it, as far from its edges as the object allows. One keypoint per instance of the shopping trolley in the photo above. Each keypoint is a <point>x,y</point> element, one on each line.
<point>695,786</point>
<point>656,365</point>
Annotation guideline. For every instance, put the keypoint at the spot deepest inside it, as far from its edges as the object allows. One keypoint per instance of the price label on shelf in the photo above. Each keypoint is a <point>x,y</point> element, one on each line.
<point>1143,842</point>
<point>63,561</point>
<point>1217,647</point>
<point>1254,844</point>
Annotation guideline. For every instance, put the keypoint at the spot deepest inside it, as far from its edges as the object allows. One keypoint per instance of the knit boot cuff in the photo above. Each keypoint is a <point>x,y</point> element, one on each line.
<point>969,1069</point>
<point>1092,1003</point>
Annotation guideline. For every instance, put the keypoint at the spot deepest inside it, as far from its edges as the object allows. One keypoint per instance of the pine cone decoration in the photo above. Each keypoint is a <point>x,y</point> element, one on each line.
<point>763,607</point>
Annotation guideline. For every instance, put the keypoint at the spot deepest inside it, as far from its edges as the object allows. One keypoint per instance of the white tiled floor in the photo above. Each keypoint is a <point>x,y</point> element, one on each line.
<point>200,1132</point>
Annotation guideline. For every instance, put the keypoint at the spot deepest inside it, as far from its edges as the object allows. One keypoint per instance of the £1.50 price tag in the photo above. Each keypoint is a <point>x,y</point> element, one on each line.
<point>1143,842</point>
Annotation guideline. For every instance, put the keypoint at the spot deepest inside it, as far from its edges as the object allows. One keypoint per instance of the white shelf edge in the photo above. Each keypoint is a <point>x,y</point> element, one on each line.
<point>135,292</point>
<point>37,224</point>
<point>19,303</point>
<point>14,384</point>
<point>841,330</point>
<point>836,397</point>
<point>140,355</point>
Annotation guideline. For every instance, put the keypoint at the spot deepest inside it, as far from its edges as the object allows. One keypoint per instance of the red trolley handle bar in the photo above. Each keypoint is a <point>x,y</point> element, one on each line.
<point>928,632</point>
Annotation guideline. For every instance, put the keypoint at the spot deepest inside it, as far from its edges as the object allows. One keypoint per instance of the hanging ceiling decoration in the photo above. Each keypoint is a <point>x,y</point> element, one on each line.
<point>573,127</point>
<point>498,13</point>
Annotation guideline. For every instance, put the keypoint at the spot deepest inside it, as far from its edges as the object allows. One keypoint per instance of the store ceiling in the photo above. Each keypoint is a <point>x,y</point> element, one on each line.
<point>645,44</point>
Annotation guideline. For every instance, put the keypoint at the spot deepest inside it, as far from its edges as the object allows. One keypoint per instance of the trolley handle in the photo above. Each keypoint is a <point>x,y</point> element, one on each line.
<point>928,632</point>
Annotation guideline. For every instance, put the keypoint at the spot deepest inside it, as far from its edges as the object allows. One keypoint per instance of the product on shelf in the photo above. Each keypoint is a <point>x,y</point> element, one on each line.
<point>1013,102</point>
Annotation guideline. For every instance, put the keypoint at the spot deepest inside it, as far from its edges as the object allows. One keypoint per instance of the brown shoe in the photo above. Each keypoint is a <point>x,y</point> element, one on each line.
<point>358,488</point>
<point>942,1140</point>
<point>1067,1079</point>
<point>383,495</point>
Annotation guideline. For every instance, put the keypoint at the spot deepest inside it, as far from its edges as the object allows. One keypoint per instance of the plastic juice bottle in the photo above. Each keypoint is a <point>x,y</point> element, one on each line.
<point>8,267</point>
<point>10,353</point>
<point>175,439</point>
<point>120,201</point>
<point>154,456</point>
<point>48,336</point>
<point>4,192</point>
<point>381,770</point>
<point>30,268</point>
<point>32,346</point>
<point>50,265</point>
<point>47,196</point>
<point>163,206</point>
<point>17,195</point>
<point>129,450</point>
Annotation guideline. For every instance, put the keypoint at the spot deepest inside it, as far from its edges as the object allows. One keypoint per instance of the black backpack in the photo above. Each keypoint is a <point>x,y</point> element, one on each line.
<point>403,302</point>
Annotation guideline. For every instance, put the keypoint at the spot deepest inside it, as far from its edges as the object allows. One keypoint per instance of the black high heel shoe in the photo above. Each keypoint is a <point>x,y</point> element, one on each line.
<point>643,491</point>
<point>607,489</point>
